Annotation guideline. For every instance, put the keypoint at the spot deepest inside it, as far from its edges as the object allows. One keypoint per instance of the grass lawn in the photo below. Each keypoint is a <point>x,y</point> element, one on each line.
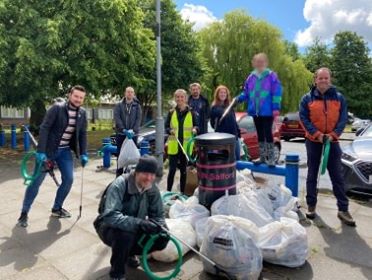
<point>95,138</point>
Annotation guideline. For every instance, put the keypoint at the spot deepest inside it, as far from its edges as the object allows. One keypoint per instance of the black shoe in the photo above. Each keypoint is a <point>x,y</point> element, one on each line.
<point>22,220</point>
<point>346,218</point>
<point>310,213</point>
<point>133,262</point>
<point>117,278</point>
<point>61,213</point>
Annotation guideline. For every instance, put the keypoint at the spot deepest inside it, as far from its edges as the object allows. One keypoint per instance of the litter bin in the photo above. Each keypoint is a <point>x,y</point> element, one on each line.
<point>216,166</point>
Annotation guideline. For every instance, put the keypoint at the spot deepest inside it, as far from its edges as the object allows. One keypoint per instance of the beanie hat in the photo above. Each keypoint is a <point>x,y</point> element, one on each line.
<point>147,164</point>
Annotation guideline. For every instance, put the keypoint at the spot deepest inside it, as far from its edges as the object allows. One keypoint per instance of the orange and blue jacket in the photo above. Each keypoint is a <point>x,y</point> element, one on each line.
<point>323,114</point>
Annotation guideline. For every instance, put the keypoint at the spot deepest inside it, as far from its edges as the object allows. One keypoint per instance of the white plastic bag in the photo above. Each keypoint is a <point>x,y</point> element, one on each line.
<point>129,154</point>
<point>200,229</point>
<point>287,210</point>
<point>244,181</point>
<point>189,211</point>
<point>184,231</point>
<point>284,242</point>
<point>280,195</point>
<point>244,206</point>
<point>231,243</point>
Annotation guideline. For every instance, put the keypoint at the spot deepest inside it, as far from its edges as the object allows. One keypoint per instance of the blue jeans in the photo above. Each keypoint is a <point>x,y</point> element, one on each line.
<point>65,163</point>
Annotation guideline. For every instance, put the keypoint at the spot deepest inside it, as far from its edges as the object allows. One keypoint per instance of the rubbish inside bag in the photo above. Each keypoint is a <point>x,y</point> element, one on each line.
<point>190,210</point>
<point>231,243</point>
<point>129,154</point>
<point>182,230</point>
<point>284,242</point>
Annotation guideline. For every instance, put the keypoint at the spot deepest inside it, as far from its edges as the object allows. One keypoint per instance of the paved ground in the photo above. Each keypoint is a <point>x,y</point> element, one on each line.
<point>62,249</point>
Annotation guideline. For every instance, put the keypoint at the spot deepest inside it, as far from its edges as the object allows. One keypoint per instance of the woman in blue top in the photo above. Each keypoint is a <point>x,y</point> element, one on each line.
<point>228,124</point>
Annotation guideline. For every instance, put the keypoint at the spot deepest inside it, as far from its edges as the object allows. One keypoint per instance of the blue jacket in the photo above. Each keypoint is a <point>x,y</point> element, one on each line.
<point>263,93</point>
<point>228,124</point>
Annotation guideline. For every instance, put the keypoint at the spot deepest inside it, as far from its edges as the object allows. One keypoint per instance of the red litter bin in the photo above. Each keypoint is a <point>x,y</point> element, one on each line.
<point>216,166</point>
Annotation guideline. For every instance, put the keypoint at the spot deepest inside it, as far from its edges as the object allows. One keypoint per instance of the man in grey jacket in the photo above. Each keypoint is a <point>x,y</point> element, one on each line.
<point>127,117</point>
<point>131,203</point>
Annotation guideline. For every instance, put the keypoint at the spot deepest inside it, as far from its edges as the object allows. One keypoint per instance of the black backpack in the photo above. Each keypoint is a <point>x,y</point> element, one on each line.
<point>101,206</point>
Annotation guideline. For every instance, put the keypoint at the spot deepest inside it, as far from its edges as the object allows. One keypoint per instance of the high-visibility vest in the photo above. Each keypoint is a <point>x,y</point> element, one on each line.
<point>187,133</point>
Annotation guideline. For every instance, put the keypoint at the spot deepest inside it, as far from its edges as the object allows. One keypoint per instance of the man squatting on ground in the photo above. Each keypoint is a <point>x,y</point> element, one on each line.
<point>323,113</point>
<point>63,129</point>
<point>131,203</point>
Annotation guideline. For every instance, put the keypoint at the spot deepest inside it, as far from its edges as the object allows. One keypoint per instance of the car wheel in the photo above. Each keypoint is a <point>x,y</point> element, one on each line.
<point>286,139</point>
<point>277,152</point>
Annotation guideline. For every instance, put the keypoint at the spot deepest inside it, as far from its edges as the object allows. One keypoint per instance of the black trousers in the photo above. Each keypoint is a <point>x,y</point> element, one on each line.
<point>264,127</point>
<point>314,153</point>
<point>119,143</point>
<point>123,245</point>
<point>175,161</point>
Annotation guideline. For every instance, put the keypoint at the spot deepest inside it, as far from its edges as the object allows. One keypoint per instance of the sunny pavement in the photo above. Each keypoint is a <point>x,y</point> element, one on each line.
<point>50,248</point>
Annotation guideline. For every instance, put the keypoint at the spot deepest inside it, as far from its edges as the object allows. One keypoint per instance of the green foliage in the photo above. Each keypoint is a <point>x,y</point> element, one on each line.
<point>292,50</point>
<point>317,55</point>
<point>47,46</point>
<point>228,47</point>
<point>352,70</point>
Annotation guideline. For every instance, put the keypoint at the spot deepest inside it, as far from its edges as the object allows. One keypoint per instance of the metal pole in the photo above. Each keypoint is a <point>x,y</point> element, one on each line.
<point>159,118</point>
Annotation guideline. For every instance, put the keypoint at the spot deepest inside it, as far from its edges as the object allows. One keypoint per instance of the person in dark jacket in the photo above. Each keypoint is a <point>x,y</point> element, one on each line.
<point>127,117</point>
<point>228,124</point>
<point>132,203</point>
<point>63,129</point>
<point>180,125</point>
<point>323,114</point>
<point>200,106</point>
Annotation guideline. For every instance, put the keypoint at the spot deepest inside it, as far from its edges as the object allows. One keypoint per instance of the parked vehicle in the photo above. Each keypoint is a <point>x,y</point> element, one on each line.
<point>146,132</point>
<point>357,163</point>
<point>291,127</point>
<point>358,124</point>
<point>249,134</point>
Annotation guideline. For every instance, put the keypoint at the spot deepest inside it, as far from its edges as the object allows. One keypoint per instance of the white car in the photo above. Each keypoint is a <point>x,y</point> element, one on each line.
<point>359,123</point>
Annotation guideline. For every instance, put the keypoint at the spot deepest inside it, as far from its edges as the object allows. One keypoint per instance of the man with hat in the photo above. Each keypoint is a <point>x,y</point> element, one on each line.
<point>132,205</point>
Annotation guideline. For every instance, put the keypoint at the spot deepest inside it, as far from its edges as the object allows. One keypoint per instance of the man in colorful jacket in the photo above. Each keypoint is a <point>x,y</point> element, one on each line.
<point>323,114</point>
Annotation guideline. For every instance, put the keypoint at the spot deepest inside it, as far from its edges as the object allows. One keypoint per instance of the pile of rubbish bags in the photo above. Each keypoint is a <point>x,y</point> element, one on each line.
<point>241,230</point>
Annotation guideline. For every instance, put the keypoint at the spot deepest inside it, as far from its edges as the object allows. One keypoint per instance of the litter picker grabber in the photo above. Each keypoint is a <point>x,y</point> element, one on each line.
<point>48,164</point>
<point>323,159</point>
<point>227,110</point>
<point>81,193</point>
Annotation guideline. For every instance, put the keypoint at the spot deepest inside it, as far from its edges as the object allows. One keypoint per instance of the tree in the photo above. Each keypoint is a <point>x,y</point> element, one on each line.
<point>181,63</point>
<point>317,55</point>
<point>47,46</point>
<point>292,50</point>
<point>229,45</point>
<point>352,71</point>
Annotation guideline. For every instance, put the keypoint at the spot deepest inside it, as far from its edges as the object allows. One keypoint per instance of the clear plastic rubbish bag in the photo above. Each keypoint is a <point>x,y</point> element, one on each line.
<point>200,229</point>
<point>284,242</point>
<point>129,154</point>
<point>182,230</point>
<point>190,210</point>
<point>231,243</point>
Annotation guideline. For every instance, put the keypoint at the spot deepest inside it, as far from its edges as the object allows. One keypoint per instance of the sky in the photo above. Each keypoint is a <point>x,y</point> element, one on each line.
<point>300,21</point>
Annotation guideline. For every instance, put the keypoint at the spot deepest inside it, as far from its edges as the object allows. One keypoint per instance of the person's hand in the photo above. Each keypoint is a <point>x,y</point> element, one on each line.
<point>41,157</point>
<point>276,113</point>
<point>172,132</point>
<point>320,138</point>
<point>130,133</point>
<point>125,131</point>
<point>84,160</point>
<point>330,137</point>
<point>149,227</point>
<point>194,131</point>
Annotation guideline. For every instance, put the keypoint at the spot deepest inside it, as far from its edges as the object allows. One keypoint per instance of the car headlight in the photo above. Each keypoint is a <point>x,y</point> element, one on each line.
<point>349,157</point>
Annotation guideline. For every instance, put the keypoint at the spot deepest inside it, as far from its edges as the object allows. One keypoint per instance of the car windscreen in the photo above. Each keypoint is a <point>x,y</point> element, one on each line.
<point>367,132</point>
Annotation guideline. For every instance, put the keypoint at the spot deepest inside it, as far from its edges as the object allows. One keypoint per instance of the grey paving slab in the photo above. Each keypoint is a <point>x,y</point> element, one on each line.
<point>38,273</point>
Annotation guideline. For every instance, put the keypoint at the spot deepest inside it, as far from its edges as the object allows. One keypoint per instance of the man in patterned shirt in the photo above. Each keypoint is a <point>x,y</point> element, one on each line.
<point>63,129</point>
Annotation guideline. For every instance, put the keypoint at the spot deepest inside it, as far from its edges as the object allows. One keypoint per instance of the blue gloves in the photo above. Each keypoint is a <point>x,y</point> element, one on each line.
<point>84,160</point>
<point>41,157</point>
<point>128,133</point>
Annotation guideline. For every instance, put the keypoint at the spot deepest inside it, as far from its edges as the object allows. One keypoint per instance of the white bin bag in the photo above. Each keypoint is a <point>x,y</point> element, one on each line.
<point>129,154</point>
<point>190,211</point>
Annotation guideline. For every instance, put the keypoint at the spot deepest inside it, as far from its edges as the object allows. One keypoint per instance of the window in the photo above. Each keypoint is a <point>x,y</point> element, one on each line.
<point>89,113</point>
<point>105,114</point>
<point>247,123</point>
<point>12,113</point>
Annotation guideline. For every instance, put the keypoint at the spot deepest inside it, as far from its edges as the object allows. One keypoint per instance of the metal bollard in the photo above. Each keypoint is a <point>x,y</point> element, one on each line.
<point>13,137</point>
<point>145,147</point>
<point>291,174</point>
<point>2,138</point>
<point>26,140</point>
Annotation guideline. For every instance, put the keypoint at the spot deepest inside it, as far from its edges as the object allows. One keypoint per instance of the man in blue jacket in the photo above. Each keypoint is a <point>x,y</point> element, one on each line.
<point>63,129</point>
<point>131,203</point>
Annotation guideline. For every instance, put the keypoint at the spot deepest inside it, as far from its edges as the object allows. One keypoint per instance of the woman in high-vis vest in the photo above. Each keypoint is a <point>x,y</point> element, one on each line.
<point>180,126</point>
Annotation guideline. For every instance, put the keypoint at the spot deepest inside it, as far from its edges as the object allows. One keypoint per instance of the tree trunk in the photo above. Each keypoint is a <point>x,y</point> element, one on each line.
<point>37,114</point>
